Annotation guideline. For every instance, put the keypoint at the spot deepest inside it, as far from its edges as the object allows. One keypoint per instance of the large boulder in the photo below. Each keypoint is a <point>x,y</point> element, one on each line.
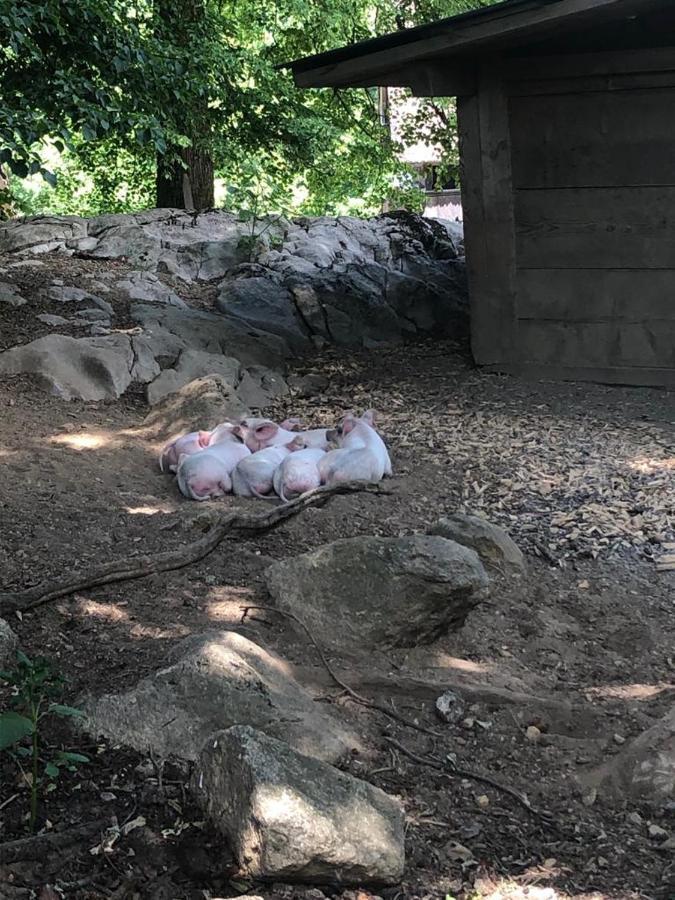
<point>493,544</point>
<point>203,403</point>
<point>9,644</point>
<point>385,592</point>
<point>644,770</point>
<point>213,332</point>
<point>74,368</point>
<point>40,233</point>
<point>214,681</point>
<point>148,287</point>
<point>193,364</point>
<point>291,818</point>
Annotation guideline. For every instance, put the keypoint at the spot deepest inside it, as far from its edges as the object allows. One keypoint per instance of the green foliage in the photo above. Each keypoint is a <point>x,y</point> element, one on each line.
<point>35,690</point>
<point>94,91</point>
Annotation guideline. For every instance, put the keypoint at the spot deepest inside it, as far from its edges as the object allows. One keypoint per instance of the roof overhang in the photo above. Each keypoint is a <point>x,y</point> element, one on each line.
<point>409,58</point>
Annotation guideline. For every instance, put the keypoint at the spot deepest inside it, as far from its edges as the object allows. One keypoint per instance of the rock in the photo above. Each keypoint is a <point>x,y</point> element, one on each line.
<point>9,644</point>
<point>193,364</point>
<point>494,546</point>
<point>619,739</point>
<point>9,294</point>
<point>71,294</point>
<point>644,769</point>
<point>657,833</point>
<point>93,314</point>
<point>291,818</point>
<point>203,403</point>
<point>145,367</point>
<point>450,707</point>
<point>148,287</point>
<point>533,734</point>
<point>385,592</point>
<point>52,320</point>
<point>259,387</point>
<point>262,301</point>
<point>96,368</point>
<point>213,681</point>
<point>214,333</point>
<point>38,232</point>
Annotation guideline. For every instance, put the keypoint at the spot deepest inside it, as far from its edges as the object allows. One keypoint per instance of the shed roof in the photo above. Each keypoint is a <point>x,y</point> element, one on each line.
<point>509,23</point>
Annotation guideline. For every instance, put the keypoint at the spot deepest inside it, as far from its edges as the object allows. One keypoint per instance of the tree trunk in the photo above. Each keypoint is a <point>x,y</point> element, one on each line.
<point>190,188</point>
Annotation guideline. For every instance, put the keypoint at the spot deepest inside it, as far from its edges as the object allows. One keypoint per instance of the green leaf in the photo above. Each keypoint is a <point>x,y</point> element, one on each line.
<point>67,756</point>
<point>58,709</point>
<point>13,727</point>
<point>23,659</point>
<point>51,770</point>
<point>88,133</point>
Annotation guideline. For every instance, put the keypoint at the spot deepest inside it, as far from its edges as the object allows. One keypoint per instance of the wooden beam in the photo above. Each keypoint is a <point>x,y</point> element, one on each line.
<point>577,65</point>
<point>635,376</point>
<point>432,79</point>
<point>504,26</point>
<point>489,229</point>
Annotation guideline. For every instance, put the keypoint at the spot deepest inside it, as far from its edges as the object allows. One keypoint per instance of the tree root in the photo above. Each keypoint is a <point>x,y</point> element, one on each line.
<point>142,566</point>
<point>37,846</point>
<point>344,687</point>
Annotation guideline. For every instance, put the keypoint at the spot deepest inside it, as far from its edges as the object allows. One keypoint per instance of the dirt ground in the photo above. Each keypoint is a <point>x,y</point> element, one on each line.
<point>583,478</point>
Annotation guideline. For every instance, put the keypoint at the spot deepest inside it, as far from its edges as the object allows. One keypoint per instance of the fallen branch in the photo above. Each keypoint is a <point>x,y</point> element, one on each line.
<point>38,845</point>
<point>358,698</point>
<point>142,566</point>
<point>452,771</point>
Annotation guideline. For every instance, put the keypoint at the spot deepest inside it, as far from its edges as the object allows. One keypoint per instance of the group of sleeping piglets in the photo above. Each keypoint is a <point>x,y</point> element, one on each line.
<point>258,458</point>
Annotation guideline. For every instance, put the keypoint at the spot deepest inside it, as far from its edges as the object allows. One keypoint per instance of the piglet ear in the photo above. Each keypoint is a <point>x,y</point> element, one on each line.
<point>266,432</point>
<point>298,443</point>
<point>348,423</point>
<point>370,417</point>
<point>204,438</point>
<point>293,424</point>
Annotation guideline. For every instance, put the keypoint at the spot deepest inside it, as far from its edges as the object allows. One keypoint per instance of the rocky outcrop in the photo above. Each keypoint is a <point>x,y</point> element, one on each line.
<point>493,544</point>
<point>291,818</point>
<point>214,681</point>
<point>205,402</point>
<point>284,291</point>
<point>384,592</point>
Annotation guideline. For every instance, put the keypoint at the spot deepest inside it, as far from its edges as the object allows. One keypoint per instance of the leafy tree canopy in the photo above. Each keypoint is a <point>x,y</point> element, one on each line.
<point>96,89</point>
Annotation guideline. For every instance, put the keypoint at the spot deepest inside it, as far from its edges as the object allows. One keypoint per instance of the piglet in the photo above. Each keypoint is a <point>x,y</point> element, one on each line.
<point>182,446</point>
<point>299,471</point>
<point>362,454</point>
<point>260,433</point>
<point>207,474</point>
<point>253,476</point>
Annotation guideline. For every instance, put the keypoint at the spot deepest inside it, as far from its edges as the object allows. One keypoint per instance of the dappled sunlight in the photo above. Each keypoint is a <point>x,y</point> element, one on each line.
<point>444,660</point>
<point>109,612</point>
<point>529,887</point>
<point>226,603</point>
<point>156,633</point>
<point>629,691</point>
<point>256,657</point>
<point>149,510</point>
<point>6,454</point>
<point>85,440</point>
<point>646,465</point>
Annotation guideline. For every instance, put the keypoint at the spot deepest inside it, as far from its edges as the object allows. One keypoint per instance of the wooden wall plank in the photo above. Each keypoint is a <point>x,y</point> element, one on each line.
<point>599,228</point>
<point>627,375</point>
<point>599,344</point>
<point>487,199</point>
<point>596,295</point>
<point>577,65</point>
<point>597,139</point>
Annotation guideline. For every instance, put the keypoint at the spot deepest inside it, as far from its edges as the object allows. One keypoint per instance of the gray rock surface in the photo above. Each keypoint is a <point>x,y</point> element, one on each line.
<point>203,403</point>
<point>54,321</point>
<point>385,592</point>
<point>148,287</point>
<point>9,644</point>
<point>644,770</point>
<point>214,681</point>
<point>450,707</point>
<point>193,364</point>
<point>291,818</point>
<point>493,544</point>
<point>96,368</point>
<point>9,294</point>
<point>72,294</point>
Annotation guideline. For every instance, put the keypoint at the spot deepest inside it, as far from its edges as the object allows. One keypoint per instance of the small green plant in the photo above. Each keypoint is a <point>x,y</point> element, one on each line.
<point>35,688</point>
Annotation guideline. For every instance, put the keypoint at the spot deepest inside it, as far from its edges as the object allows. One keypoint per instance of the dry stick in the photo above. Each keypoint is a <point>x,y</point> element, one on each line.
<point>141,566</point>
<point>451,770</point>
<point>38,845</point>
<point>358,698</point>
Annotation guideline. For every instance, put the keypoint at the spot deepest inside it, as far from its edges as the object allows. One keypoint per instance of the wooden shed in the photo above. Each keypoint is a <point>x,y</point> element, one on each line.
<point>567,137</point>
